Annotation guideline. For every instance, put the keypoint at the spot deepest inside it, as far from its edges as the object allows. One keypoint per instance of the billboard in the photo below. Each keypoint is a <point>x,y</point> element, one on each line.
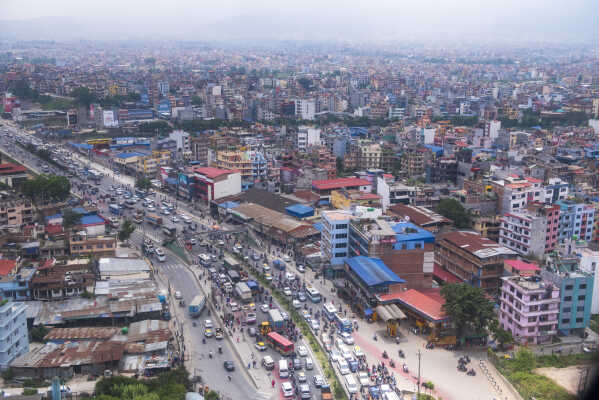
<point>108,118</point>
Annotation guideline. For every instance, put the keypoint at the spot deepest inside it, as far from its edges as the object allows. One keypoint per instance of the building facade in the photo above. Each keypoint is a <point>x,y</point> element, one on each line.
<point>14,341</point>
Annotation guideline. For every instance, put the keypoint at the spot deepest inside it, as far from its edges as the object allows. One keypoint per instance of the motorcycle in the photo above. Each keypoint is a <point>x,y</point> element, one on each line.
<point>397,340</point>
<point>401,354</point>
<point>462,367</point>
<point>430,345</point>
<point>210,354</point>
<point>472,372</point>
<point>391,363</point>
<point>405,368</point>
<point>385,355</point>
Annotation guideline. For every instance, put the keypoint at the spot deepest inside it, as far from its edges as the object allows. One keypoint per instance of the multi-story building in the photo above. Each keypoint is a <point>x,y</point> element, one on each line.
<point>576,292</point>
<point>529,309</point>
<point>575,220</point>
<point>589,263</point>
<point>555,190</point>
<point>306,137</point>
<point>420,216</point>
<point>335,236</point>
<point>515,193</point>
<point>14,340</point>
<point>208,183</point>
<point>81,243</point>
<point>183,144</point>
<point>370,156</point>
<point>12,174</point>
<point>532,232</point>
<point>487,225</point>
<point>199,149</point>
<point>370,237</point>
<point>347,199</point>
<point>252,165</point>
<point>414,161</point>
<point>16,212</point>
<point>472,258</point>
<point>148,165</point>
<point>17,284</point>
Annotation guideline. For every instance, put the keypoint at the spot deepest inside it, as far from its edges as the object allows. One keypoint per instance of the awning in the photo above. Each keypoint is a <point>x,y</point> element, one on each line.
<point>383,313</point>
<point>368,312</point>
<point>397,311</point>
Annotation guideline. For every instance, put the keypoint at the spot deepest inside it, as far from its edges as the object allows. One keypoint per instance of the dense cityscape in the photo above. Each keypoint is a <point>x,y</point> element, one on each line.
<point>188,219</point>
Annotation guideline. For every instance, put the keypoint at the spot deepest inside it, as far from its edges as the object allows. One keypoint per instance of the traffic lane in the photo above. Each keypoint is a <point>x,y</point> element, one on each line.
<point>181,280</point>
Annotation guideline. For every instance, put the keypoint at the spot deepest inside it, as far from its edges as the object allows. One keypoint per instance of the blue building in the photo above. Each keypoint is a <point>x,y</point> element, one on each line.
<point>575,220</point>
<point>366,277</point>
<point>410,236</point>
<point>17,286</point>
<point>334,239</point>
<point>576,293</point>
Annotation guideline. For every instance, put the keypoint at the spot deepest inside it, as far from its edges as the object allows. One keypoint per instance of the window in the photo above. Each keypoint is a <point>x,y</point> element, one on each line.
<point>341,236</point>
<point>578,320</point>
<point>580,308</point>
<point>583,286</point>
<point>532,319</point>
<point>569,287</point>
<point>568,298</point>
<point>531,329</point>
<point>581,298</point>
<point>341,245</point>
<point>341,226</point>
<point>566,321</point>
<point>567,309</point>
<point>340,255</point>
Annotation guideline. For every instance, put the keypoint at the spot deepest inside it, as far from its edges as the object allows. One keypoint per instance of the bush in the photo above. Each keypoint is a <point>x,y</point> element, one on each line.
<point>29,391</point>
<point>8,375</point>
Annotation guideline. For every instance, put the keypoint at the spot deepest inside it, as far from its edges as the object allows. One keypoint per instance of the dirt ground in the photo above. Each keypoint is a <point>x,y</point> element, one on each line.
<point>565,377</point>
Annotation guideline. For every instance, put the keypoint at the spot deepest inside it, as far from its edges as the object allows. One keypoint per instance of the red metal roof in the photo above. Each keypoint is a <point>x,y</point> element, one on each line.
<point>522,265</point>
<point>339,183</point>
<point>10,168</point>
<point>6,266</point>
<point>420,302</point>
<point>211,172</point>
<point>444,275</point>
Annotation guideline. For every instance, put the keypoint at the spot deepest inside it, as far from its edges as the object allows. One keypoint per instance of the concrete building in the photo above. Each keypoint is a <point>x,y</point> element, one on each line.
<point>199,149</point>
<point>529,309</point>
<point>306,137</point>
<point>183,144</point>
<point>14,341</point>
<point>214,183</point>
<point>472,258</point>
<point>576,293</point>
<point>575,220</point>
<point>589,262</point>
<point>335,236</point>
<point>12,174</point>
<point>370,156</point>
<point>252,165</point>
<point>15,211</point>
<point>532,232</point>
<point>305,109</point>
<point>81,243</point>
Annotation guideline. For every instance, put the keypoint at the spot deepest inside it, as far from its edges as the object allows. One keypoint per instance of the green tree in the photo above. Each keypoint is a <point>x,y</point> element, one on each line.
<point>127,228</point>
<point>524,360</point>
<point>38,333</point>
<point>47,188</point>
<point>70,218</point>
<point>211,395</point>
<point>143,183</point>
<point>468,308</point>
<point>83,96</point>
<point>455,211</point>
<point>197,101</point>
<point>501,335</point>
<point>160,127</point>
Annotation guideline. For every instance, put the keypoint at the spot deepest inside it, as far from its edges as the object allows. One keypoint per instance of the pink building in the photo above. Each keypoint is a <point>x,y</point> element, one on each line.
<point>529,309</point>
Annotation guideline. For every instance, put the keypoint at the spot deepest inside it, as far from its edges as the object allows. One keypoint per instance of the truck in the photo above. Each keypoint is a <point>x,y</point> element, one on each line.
<point>343,323</point>
<point>243,292</point>
<point>253,286</point>
<point>278,264</point>
<point>154,219</point>
<point>325,393</point>
<point>169,232</point>
<point>196,306</point>
<point>115,209</point>
<point>276,320</point>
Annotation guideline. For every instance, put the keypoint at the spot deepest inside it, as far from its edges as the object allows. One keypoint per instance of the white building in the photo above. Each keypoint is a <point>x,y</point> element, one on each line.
<point>493,128</point>
<point>216,183</point>
<point>589,262</point>
<point>183,143</point>
<point>307,137</point>
<point>305,109</point>
<point>428,135</point>
<point>14,341</point>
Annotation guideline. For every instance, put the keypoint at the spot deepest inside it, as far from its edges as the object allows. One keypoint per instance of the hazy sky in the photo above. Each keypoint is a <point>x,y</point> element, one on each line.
<point>308,19</point>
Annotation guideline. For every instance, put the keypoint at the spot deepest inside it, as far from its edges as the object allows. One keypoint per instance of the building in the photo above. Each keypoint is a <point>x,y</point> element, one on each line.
<point>472,258</point>
<point>199,149</point>
<point>183,144</point>
<point>370,237</point>
<point>305,109</point>
<point>81,243</point>
<point>17,284</point>
<point>334,236</point>
<point>348,199</point>
<point>576,292</point>
<point>410,236</point>
<point>14,339</point>
<point>532,232</point>
<point>421,216</point>
<point>12,174</point>
<point>529,309</point>
<point>307,137</point>
<point>324,187</point>
<point>370,156</point>
<point>16,212</point>
<point>414,161</point>
<point>367,277</point>
<point>123,269</point>
<point>252,165</point>
<point>575,220</point>
<point>210,183</point>
<point>589,262</point>
<point>520,268</point>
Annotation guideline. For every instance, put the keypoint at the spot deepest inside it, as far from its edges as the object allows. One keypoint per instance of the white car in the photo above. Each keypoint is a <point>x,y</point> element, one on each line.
<point>347,338</point>
<point>286,258</point>
<point>174,219</point>
<point>289,276</point>
<point>315,325</point>
<point>287,389</point>
<point>160,254</point>
<point>287,291</point>
<point>302,351</point>
<point>296,304</point>
<point>343,366</point>
<point>301,268</point>
<point>264,308</point>
<point>178,295</point>
<point>363,379</point>
<point>335,356</point>
<point>208,324</point>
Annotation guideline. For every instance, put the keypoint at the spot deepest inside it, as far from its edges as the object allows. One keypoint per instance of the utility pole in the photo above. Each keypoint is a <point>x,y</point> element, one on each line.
<point>419,354</point>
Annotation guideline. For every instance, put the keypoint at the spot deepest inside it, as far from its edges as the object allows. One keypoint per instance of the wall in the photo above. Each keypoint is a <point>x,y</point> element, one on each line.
<point>228,187</point>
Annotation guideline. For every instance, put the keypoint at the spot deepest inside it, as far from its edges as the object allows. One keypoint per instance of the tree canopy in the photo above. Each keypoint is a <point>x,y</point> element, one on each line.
<point>455,211</point>
<point>70,218</point>
<point>47,188</point>
<point>468,308</point>
<point>171,385</point>
<point>502,336</point>
<point>127,228</point>
<point>83,96</point>
<point>143,183</point>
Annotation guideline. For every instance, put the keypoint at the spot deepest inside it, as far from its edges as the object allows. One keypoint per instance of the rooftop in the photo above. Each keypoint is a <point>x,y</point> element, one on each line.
<point>420,302</point>
<point>373,271</point>
<point>520,265</point>
<point>474,243</point>
<point>339,183</point>
<point>131,154</point>
<point>419,215</point>
<point>211,172</point>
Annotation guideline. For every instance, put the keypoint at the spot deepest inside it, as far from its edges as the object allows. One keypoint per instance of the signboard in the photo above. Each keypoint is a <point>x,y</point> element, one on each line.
<point>108,119</point>
<point>183,179</point>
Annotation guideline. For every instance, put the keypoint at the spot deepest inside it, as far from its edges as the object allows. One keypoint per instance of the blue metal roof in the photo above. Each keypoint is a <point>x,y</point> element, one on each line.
<point>300,210</point>
<point>129,155</point>
<point>402,235</point>
<point>228,204</point>
<point>318,226</point>
<point>91,220</point>
<point>171,181</point>
<point>372,271</point>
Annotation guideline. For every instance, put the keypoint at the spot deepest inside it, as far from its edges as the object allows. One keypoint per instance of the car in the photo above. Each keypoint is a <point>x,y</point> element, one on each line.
<point>343,366</point>
<point>208,332</point>
<point>221,243</point>
<point>265,268</point>
<point>286,258</point>
<point>287,389</point>
<point>301,296</point>
<point>284,315</point>
<point>301,377</point>
<point>268,277</point>
<point>218,334</point>
<point>302,351</point>
<point>252,331</point>
<point>229,366</point>
<point>287,291</point>
<point>346,337</point>
<point>315,325</point>
<point>301,268</point>
<point>174,219</point>
<point>358,351</point>
<point>255,256</point>
<point>193,241</point>
<point>260,346</point>
<point>334,355</point>
<point>250,318</point>
<point>252,306</point>
<point>363,379</point>
<point>268,363</point>
<point>264,308</point>
<point>160,254</point>
<point>208,324</point>
<point>296,304</point>
<point>178,295</point>
<point>318,381</point>
<point>297,363</point>
<point>289,276</point>
<point>234,306</point>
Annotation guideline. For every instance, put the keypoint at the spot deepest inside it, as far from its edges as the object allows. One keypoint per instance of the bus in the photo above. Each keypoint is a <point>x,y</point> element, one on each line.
<point>313,294</point>
<point>329,311</point>
<point>280,343</point>
<point>196,306</point>
<point>343,323</point>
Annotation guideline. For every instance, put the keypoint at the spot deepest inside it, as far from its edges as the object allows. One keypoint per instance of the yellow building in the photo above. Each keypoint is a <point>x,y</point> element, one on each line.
<point>370,156</point>
<point>149,164</point>
<point>347,199</point>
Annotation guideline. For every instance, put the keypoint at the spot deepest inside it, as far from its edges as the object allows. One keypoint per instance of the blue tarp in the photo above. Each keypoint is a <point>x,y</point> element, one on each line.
<point>171,181</point>
<point>91,220</point>
<point>55,216</point>
<point>129,155</point>
<point>79,210</point>
<point>318,226</point>
<point>368,312</point>
<point>372,271</point>
<point>228,204</point>
<point>300,211</point>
